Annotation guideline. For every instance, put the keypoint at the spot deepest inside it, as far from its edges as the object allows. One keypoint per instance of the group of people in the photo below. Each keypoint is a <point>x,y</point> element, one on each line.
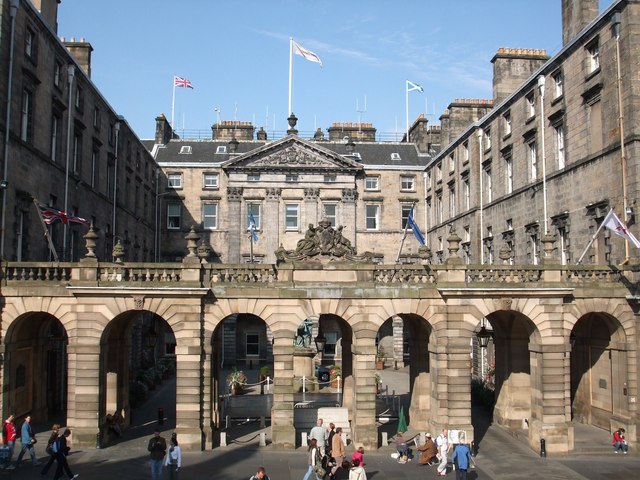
<point>57,447</point>
<point>159,456</point>
<point>326,455</point>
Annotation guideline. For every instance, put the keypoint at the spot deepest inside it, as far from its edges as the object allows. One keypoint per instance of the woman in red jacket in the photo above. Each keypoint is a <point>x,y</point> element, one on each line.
<point>619,443</point>
<point>9,435</point>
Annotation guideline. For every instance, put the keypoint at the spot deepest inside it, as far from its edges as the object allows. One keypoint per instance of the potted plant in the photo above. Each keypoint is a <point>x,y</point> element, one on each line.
<point>380,356</point>
<point>236,381</point>
<point>335,371</point>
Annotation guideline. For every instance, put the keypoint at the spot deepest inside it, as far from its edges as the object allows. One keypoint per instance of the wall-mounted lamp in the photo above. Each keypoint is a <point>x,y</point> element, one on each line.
<point>484,335</point>
<point>4,184</point>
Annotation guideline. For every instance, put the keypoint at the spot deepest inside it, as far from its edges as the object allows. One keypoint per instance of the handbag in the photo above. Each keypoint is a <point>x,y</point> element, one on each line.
<point>321,472</point>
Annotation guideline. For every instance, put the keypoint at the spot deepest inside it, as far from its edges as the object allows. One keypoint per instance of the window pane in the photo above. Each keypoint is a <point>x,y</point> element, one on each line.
<point>254,209</point>
<point>330,213</point>
<point>291,216</point>
<point>210,215</point>
<point>210,180</point>
<point>372,217</point>
<point>173,216</point>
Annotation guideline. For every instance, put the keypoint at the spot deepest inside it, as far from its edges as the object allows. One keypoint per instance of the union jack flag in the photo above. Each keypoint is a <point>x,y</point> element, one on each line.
<point>50,215</point>
<point>181,82</point>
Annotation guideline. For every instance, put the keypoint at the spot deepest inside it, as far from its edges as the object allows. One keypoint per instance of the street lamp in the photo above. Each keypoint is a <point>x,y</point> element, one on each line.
<point>484,335</point>
<point>320,341</point>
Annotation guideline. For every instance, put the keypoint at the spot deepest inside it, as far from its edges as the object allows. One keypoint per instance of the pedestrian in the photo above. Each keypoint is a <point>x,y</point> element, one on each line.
<point>320,433</point>
<point>337,448</point>
<point>358,455</point>
<point>313,459</point>
<point>61,450</point>
<point>55,429</point>
<point>157,448</point>
<point>443,448</point>
<point>9,435</point>
<point>28,440</point>
<point>427,451</point>
<point>261,474</point>
<point>332,432</point>
<point>357,471</point>
<point>461,458</point>
<point>619,443</point>
<point>174,458</point>
<point>401,448</point>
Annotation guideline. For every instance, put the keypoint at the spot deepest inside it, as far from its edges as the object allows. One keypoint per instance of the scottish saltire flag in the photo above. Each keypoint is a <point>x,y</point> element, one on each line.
<point>306,54</point>
<point>413,86</point>
<point>252,227</point>
<point>416,229</point>
<point>51,215</point>
<point>613,223</point>
<point>181,82</point>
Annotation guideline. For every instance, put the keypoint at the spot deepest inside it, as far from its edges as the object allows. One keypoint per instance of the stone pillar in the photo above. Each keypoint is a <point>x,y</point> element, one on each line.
<point>283,432</point>
<point>551,409</point>
<point>311,206</point>
<point>210,398</point>
<point>363,411</point>
<point>189,391</point>
<point>348,214</point>
<point>83,389</point>
<point>271,217</point>
<point>237,224</point>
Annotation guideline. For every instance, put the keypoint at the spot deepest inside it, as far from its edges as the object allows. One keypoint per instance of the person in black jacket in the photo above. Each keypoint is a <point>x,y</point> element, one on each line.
<point>55,429</point>
<point>61,450</point>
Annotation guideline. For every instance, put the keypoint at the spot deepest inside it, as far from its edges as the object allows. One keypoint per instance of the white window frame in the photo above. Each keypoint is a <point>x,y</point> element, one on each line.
<point>405,210</point>
<point>174,211</point>
<point>452,200</point>
<point>466,191</point>
<point>408,183</point>
<point>506,118</point>
<point>558,85</point>
<point>26,117</point>
<point>372,182</point>
<point>439,208</point>
<point>532,155</point>
<point>530,99</point>
<point>487,139</point>
<point>55,131</point>
<point>256,209</point>
<point>509,173</point>
<point>210,218</point>
<point>465,151</point>
<point>291,216</point>
<point>488,184</point>
<point>331,216</point>
<point>210,181</point>
<point>174,180</point>
<point>593,51</point>
<point>372,216</point>
<point>560,151</point>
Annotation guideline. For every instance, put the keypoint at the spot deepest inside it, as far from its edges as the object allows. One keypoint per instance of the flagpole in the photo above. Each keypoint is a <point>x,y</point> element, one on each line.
<point>290,111</point>
<point>251,251</point>
<point>46,231</point>
<point>404,235</point>
<point>173,100</point>
<point>593,238</point>
<point>406,105</point>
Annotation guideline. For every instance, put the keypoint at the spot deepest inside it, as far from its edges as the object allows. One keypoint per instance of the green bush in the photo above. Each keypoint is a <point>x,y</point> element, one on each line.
<point>483,394</point>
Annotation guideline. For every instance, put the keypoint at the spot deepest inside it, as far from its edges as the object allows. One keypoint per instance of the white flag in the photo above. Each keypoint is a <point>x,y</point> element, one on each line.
<point>413,86</point>
<point>307,54</point>
<point>613,223</point>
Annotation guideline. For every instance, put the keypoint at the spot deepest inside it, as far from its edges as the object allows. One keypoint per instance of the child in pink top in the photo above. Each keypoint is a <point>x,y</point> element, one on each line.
<point>358,455</point>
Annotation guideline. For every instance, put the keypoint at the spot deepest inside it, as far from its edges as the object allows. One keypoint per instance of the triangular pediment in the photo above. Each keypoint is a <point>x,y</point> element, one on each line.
<point>292,154</point>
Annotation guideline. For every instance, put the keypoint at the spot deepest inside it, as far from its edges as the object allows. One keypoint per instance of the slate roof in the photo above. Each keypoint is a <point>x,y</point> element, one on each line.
<point>371,153</point>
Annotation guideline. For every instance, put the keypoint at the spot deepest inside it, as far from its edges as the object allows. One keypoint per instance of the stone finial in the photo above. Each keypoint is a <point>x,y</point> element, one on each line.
<point>424,253</point>
<point>233,145</point>
<point>293,120</point>
<point>505,253</point>
<point>90,242</point>
<point>192,241</point>
<point>454,245</point>
<point>262,134</point>
<point>548,247</point>
<point>351,146</point>
<point>118,252</point>
<point>204,251</point>
<point>319,135</point>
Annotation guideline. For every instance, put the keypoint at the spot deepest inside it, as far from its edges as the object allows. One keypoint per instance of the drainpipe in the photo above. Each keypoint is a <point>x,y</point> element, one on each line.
<point>541,82</point>
<point>479,134</point>
<point>71,72</point>
<point>4,183</point>
<point>115,183</point>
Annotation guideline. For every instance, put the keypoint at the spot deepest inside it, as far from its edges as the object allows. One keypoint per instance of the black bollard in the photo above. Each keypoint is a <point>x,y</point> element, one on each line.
<point>543,448</point>
<point>160,416</point>
<point>98,442</point>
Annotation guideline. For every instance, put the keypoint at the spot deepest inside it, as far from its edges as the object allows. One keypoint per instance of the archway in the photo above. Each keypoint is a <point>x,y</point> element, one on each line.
<point>598,371</point>
<point>35,368</point>
<point>137,376</point>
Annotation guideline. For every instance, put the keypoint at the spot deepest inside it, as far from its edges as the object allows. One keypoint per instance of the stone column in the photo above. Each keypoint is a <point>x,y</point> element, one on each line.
<point>283,432</point>
<point>348,214</point>
<point>210,398</point>
<point>190,396</point>
<point>551,409</point>
<point>311,207</point>
<point>363,411</point>
<point>271,218</point>
<point>237,224</point>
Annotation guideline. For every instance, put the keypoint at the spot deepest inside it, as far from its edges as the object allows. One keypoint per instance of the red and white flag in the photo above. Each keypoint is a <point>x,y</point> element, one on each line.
<point>307,54</point>
<point>613,223</point>
<point>51,215</point>
<point>181,82</point>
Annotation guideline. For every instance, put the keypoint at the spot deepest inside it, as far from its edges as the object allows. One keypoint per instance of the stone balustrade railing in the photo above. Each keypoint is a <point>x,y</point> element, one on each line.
<point>210,274</point>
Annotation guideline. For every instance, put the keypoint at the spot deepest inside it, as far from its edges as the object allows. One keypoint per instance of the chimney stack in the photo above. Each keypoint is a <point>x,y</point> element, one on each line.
<point>576,14</point>
<point>49,11</point>
<point>512,66</point>
<point>164,132</point>
<point>81,52</point>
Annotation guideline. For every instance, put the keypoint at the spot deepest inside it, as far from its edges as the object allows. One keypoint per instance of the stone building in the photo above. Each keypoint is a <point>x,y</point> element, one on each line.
<point>65,146</point>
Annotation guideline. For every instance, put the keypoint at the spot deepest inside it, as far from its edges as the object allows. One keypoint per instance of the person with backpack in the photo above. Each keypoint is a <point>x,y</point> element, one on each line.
<point>9,435</point>
<point>28,440</point>
<point>61,450</point>
<point>261,474</point>
<point>461,458</point>
<point>54,435</point>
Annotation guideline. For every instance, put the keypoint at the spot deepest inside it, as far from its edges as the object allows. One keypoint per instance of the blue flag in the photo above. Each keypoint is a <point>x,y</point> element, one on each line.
<point>252,227</point>
<point>416,229</point>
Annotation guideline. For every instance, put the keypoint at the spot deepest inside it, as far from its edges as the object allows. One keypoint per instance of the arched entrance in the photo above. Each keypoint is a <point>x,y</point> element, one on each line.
<point>36,343</point>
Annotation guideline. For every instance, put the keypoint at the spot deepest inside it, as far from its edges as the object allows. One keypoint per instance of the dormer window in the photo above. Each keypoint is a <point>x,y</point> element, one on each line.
<point>185,150</point>
<point>221,149</point>
<point>357,155</point>
<point>395,156</point>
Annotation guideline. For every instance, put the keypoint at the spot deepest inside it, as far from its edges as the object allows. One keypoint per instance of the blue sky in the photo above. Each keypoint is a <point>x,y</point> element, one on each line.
<point>236,54</point>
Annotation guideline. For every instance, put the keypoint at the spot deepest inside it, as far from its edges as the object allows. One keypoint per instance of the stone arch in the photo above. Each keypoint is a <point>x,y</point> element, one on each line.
<point>34,370</point>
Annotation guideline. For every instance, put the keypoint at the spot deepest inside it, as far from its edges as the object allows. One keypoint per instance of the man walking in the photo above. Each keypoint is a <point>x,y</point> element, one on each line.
<point>157,448</point>
<point>60,451</point>
<point>28,440</point>
<point>320,433</point>
<point>9,435</point>
<point>443,448</point>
